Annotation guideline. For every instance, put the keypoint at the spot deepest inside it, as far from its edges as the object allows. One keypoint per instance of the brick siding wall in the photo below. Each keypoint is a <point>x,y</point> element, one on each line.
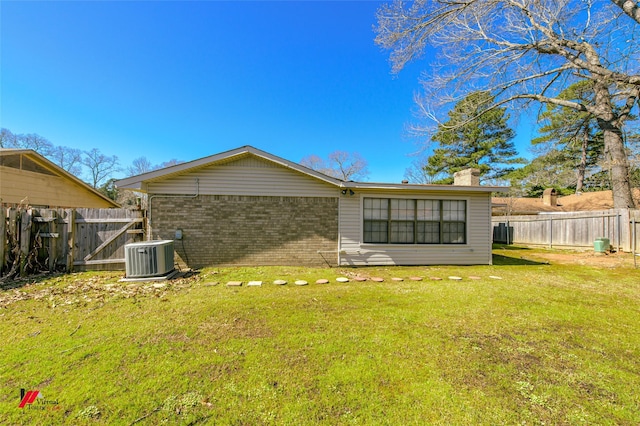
<point>249,230</point>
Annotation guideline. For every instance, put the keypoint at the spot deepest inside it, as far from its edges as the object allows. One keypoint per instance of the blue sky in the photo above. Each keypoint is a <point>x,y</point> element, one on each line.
<point>186,80</point>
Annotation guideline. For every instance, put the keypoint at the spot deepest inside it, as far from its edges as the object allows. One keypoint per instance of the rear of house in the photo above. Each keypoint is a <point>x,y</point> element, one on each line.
<point>249,207</point>
<point>415,226</point>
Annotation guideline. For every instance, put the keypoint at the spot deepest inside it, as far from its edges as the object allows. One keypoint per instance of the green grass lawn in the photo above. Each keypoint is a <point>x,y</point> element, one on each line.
<point>546,344</point>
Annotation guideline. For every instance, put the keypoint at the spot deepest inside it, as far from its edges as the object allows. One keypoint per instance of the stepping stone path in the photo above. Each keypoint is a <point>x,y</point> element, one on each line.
<point>342,280</point>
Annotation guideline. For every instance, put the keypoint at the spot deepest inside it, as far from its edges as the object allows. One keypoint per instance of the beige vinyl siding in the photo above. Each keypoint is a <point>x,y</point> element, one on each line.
<point>246,176</point>
<point>477,249</point>
<point>45,190</point>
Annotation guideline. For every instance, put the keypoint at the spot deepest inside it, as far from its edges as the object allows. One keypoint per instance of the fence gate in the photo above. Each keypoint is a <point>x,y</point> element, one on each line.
<point>33,239</point>
<point>100,236</point>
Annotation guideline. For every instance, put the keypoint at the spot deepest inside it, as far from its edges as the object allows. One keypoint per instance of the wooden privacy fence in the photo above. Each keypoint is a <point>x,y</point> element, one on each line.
<point>575,229</point>
<point>33,239</point>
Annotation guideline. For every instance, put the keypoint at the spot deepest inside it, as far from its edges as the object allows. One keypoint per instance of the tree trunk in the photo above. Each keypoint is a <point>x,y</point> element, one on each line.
<point>616,162</point>
<point>615,154</point>
<point>582,167</point>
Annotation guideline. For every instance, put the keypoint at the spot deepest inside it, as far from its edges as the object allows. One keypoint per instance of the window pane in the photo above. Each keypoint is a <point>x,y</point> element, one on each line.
<point>376,208</point>
<point>428,210</point>
<point>453,233</point>
<point>406,221</point>
<point>402,232</point>
<point>402,209</point>
<point>428,232</point>
<point>454,210</point>
<point>375,231</point>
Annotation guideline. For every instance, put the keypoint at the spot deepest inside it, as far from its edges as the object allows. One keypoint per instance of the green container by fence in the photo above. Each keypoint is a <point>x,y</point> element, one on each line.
<point>601,245</point>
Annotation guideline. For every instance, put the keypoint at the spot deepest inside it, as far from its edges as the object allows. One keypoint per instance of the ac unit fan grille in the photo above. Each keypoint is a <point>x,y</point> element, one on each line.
<point>149,259</point>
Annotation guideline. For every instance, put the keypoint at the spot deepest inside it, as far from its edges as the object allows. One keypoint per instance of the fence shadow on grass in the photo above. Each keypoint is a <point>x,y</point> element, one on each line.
<point>510,247</point>
<point>10,283</point>
<point>500,260</point>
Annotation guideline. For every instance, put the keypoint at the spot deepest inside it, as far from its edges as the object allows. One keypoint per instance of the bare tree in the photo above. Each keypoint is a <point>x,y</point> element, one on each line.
<point>69,159</point>
<point>417,172</point>
<point>170,163</point>
<point>100,166</point>
<point>7,139</point>
<point>340,164</point>
<point>139,166</point>
<point>629,7</point>
<point>142,165</point>
<point>349,166</point>
<point>524,51</point>
<point>37,143</point>
<point>26,141</point>
<point>316,163</point>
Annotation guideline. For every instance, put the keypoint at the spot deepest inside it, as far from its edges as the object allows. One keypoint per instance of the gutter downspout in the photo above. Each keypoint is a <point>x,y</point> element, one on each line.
<point>341,188</point>
<point>149,228</point>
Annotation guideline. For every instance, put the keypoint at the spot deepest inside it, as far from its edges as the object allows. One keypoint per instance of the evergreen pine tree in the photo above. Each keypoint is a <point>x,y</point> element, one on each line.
<point>473,137</point>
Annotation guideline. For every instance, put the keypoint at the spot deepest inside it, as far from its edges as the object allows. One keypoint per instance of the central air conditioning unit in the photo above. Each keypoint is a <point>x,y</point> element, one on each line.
<point>149,258</point>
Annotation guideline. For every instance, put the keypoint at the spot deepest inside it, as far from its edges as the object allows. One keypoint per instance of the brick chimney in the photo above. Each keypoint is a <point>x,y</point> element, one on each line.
<point>467,177</point>
<point>550,197</point>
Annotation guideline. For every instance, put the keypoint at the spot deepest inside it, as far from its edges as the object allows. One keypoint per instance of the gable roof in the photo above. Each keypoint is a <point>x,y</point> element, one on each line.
<point>138,182</point>
<point>54,169</point>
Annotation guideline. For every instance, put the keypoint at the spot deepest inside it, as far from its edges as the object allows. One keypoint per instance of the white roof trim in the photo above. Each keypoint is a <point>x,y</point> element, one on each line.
<point>137,182</point>
<point>421,187</point>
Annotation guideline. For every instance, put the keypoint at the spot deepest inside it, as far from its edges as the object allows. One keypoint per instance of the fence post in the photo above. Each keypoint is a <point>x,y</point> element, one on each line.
<point>618,232</point>
<point>625,237</point>
<point>53,241</point>
<point>633,243</point>
<point>71,235</point>
<point>550,232</point>
<point>3,239</point>
<point>25,239</point>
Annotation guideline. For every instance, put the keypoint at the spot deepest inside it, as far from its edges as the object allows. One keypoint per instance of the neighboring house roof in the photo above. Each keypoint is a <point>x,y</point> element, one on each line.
<point>38,165</point>
<point>586,201</point>
<point>139,182</point>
